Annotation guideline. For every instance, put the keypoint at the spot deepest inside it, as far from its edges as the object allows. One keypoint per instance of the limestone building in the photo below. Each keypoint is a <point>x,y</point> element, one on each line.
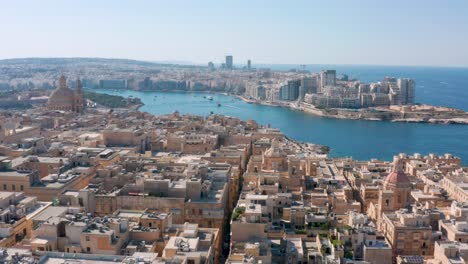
<point>66,99</point>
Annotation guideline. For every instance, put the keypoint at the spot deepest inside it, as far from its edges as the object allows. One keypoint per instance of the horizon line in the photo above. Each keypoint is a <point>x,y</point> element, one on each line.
<point>204,64</point>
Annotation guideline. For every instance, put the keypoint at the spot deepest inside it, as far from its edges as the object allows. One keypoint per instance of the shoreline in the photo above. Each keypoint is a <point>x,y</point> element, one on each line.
<point>374,114</point>
<point>403,114</point>
<point>335,150</point>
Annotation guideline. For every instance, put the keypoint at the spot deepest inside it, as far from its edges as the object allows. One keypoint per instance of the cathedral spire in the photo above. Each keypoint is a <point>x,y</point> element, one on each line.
<point>62,82</point>
<point>78,86</point>
<point>398,165</point>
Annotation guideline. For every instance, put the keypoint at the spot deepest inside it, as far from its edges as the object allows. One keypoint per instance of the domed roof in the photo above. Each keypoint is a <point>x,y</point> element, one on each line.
<point>62,95</point>
<point>397,177</point>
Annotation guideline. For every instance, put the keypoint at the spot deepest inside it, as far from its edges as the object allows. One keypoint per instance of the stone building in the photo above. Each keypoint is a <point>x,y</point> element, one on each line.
<point>396,194</point>
<point>66,99</point>
<point>408,233</point>
<point>449,252</point>
<point>16,210</point>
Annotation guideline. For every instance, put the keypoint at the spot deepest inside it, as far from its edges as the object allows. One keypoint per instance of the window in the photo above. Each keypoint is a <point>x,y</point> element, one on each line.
<point>401,245</point>
<point>13,187</point>
<point>21,187</point>
<point>4,187</point>
<point>387,202</point>
<point>88,249</point>
<point>87,238</point>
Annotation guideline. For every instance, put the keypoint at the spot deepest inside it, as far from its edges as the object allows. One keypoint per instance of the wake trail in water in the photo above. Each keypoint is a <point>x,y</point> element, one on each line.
<point>235,107</point>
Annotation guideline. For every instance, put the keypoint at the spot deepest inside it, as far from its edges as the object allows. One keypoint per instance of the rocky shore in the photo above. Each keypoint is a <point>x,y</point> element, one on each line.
<point>396,113</point>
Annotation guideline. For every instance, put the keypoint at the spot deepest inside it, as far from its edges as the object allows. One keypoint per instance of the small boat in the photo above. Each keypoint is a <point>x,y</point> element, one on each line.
<point>210,98</point>
<point>211,112</point>
<point>204,96</point>
<point>219,105</point>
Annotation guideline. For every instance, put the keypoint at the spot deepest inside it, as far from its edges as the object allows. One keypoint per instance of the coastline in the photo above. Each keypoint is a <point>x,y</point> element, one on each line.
<point>323,131</point>
<point>306,146</point>
<point>376,113</point>
<point>405,114</point>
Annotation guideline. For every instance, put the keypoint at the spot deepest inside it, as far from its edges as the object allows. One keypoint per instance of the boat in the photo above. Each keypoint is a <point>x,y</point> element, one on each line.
<point>219,105</point>
<point>209,98</point>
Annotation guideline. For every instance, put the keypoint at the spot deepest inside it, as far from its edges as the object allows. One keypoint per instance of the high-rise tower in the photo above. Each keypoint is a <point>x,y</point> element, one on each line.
<point>229,62</point>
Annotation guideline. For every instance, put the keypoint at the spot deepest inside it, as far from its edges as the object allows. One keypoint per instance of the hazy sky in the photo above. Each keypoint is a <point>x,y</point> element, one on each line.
<point>385,32</point>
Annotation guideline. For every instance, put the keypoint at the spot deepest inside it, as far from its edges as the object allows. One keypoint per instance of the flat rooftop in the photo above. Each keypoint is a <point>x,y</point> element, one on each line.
<point>14,174</point>
<point>49,212</point>
<point>60,258</point>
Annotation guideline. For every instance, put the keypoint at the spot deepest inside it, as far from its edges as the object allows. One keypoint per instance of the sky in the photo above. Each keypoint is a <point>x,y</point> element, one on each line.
<point>371,32</point>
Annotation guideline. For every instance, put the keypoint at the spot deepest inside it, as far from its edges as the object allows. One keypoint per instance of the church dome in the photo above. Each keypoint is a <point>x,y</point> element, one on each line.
<point>62,96</point>
<point>397,177</point>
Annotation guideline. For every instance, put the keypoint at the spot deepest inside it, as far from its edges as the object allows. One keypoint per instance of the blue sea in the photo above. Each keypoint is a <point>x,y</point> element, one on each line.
<point>359,139</point>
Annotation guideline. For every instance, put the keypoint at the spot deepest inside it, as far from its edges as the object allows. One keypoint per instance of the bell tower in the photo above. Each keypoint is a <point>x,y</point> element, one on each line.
<point>79,102</point>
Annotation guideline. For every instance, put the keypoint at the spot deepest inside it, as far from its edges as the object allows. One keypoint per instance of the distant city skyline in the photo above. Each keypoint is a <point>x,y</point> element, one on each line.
<point>426,33</point>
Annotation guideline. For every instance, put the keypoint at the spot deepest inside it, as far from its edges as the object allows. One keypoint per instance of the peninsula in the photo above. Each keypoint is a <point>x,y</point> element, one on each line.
<point>325,93</point>
<point>417,113</point>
